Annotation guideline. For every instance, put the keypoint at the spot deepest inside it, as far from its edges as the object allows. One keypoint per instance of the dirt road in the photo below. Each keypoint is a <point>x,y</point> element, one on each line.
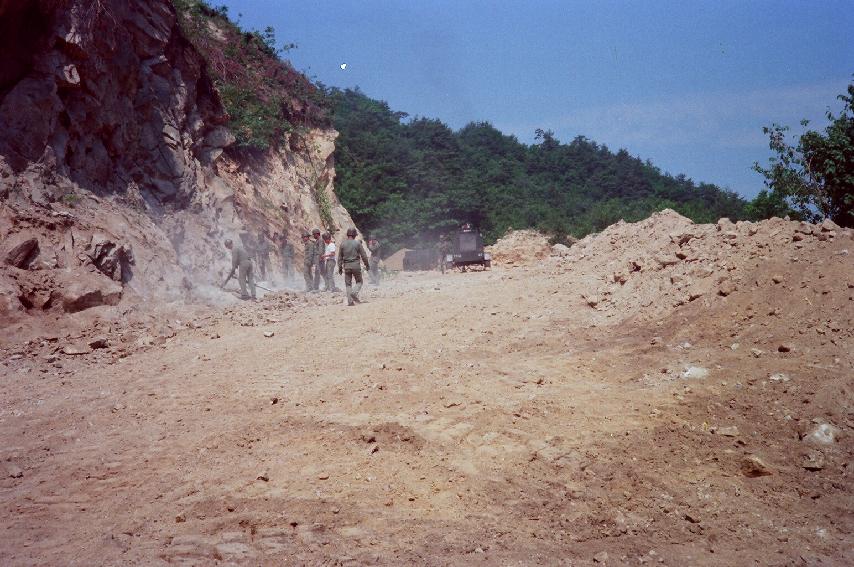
<point>479,418</point>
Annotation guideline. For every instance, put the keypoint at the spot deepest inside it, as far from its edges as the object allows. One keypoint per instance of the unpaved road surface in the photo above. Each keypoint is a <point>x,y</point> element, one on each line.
<point>482,418</point>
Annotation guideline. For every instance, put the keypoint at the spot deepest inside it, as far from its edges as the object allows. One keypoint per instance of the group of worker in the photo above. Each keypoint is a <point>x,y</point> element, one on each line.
<point>321,255</point>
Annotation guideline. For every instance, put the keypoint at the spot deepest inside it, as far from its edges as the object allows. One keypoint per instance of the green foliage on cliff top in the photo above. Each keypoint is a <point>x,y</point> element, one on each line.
<point>265,98</point>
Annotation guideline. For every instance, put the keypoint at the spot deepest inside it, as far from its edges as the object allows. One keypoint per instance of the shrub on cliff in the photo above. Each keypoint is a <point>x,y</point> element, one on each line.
<point>265,98</point>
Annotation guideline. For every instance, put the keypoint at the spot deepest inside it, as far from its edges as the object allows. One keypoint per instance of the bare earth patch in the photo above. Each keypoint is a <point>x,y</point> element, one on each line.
<point>481,418</point>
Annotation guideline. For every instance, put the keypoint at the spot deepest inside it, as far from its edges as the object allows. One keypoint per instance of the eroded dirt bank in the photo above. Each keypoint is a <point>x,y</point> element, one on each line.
<point>540,414</point>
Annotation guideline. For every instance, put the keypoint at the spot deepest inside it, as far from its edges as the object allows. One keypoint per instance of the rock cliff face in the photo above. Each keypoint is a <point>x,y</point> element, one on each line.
<point>117,166</point>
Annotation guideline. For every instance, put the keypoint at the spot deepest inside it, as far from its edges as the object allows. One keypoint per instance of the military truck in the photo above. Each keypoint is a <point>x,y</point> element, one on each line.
<point>467,250</point>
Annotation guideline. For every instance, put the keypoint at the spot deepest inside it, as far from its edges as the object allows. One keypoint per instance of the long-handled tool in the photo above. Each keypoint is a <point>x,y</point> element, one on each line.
<point>256,285</point>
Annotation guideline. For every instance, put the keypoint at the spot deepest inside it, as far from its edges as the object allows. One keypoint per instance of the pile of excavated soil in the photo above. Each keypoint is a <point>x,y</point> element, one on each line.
<point>649,268</point>
<point>519,247</point>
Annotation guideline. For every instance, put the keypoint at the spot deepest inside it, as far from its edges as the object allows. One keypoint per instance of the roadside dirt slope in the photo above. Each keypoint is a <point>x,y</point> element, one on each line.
<point>482,418</point>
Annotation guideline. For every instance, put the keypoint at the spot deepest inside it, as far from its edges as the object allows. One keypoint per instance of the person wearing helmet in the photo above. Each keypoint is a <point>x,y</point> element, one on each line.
<point>374,271</point>
<point>444,250</point>
<point>287,251</point>
<point>262,254</point>
<point>349,254</point>
<point>242,262</point>
<point>319,249</point>
<point>309,262</point>
<point>329,262</point>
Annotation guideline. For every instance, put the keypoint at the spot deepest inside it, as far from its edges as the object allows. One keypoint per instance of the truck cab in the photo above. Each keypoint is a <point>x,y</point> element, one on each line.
<point>467,249</point>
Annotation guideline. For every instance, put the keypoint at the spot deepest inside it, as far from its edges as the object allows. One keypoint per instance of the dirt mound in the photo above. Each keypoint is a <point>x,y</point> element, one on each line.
<point>647,269</point>
<point>519,247</point>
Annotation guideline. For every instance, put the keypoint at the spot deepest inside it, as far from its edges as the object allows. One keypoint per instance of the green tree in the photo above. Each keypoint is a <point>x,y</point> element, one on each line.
<point>816,176</point>
<point>409,179</point>
<point>769,204</point>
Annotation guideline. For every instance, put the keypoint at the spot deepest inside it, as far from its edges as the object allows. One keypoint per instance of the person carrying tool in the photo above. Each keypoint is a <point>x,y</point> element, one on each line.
<point>241,262</point>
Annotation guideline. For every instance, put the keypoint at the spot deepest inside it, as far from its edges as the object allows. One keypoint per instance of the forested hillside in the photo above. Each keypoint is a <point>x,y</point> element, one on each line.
<point>408,180</point>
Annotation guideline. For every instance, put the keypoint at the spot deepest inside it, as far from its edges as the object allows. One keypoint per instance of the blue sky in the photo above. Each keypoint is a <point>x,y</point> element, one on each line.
<point>688,84</point>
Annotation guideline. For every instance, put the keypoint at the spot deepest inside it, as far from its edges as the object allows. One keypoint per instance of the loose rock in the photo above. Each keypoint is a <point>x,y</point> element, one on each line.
<point>730,431</point>
<point>76,350</point>
<point>752,466</point>
<point>813,461</point>
<point>822,434</point>
<point>695,373</point>
<point>101,342</point>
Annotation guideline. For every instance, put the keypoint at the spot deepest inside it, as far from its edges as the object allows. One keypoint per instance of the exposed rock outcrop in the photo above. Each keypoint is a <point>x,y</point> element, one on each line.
<point>115,153</point>
<point>22,255</point>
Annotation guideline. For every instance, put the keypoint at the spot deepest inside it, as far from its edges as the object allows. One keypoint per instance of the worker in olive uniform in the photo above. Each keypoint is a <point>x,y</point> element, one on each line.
<point>374,270</point>
<point>349,253</point>
<point>241,262</point>
<point>444,250</point>
<point>287,251</point>
<point>319,249</point>
<point>262,254</point>
<point>309,262</point>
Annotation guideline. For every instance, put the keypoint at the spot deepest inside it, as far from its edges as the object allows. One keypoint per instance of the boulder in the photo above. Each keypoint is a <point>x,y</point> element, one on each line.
<point>78,290</point>
<point>111,259</point>
<point>23,254</point>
